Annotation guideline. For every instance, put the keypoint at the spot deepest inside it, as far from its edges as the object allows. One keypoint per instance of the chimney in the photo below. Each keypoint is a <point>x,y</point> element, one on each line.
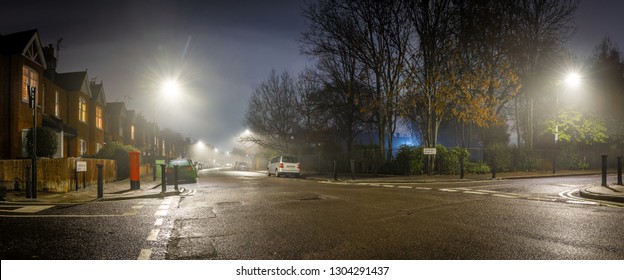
<point>48,53</point>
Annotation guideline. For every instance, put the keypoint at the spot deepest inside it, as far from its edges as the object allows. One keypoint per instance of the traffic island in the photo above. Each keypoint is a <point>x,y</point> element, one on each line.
<point>614,193</point>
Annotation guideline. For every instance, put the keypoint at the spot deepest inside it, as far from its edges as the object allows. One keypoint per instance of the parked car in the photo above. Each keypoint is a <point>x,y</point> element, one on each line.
<point>241,166</point>
<point>186,171</point>
<point>284,165</point>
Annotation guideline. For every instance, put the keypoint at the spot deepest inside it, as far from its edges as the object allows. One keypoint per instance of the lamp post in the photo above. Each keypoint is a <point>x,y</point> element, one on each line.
<point>168,88</point>
<point>572,80</point>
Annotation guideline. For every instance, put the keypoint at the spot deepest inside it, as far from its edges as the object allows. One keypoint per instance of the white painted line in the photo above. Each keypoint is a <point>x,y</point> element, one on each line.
<point>145,254</point>
<point>542,199</point>
<point>422,188</point>
<point>153,235</point>
<point>137,206</point>
<point>374,185</point>
<point>161,213</point>
<point>582,202</point>
<point>448,190</point>
<point>473,192</point>
<point>32,209</point>
<point>388,186</point>
<point>504,196</point>
<point>463,189</point>
<point>404,187</point>
<point>159,222</point>
<point>163,207</point>
<point>487,191</point>
<point>129,213</point>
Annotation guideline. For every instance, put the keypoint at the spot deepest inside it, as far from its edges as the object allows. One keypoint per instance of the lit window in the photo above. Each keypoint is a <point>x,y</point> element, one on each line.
<point>99,118</point>
<point>29,77</point>
<point>98,147</point>
<point>120,128</point>
<point>132,132</point>
<point>82,110</point>
<point>83,147</point>
<point>56,104</point>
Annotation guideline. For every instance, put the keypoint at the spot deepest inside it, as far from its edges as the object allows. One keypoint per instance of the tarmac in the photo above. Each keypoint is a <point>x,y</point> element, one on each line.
<point>149,188</point>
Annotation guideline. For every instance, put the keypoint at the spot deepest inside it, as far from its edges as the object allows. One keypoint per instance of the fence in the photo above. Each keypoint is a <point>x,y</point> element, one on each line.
<point>55,174</point>
<point>410,160</point>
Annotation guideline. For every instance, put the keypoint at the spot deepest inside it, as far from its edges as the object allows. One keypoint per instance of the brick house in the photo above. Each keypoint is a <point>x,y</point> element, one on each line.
<point>78,89</point>
<point>116,120</point>
<point>22,63</point>
<point>55,113</point>
<point>97,118</point>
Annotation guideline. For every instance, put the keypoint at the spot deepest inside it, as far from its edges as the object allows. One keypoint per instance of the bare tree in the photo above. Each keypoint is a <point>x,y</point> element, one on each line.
<point>272,114</point>
<point>376,34</point>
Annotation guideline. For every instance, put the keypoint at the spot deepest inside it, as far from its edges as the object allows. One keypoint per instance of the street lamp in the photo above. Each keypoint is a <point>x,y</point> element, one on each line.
<point>572,80</point>
<point>168,88</point>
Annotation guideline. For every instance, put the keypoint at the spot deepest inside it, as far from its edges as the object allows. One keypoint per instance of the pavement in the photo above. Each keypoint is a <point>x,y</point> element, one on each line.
<point>121,190</point>
<point>118,190</point>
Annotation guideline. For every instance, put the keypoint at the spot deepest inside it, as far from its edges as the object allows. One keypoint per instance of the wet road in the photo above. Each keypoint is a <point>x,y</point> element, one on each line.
<point>247,215</point>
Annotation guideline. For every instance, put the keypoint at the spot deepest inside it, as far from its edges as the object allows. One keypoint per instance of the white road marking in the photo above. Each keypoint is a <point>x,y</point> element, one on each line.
<point>463,189</point>
<point>161,213</point>
<point>473,192</point>
<point>163,207</point>
<point>504,196</point>
<point>145,254</point>
<point>137,206</point>
<point>153,235</point>
<point>422,188</point>
<point>404,187</point>
<point>448,190</point>
<point>582,202</point>
<point>388,186</point>
<point>31,209</point>
<point>159,222</point>
<point>542,199</point>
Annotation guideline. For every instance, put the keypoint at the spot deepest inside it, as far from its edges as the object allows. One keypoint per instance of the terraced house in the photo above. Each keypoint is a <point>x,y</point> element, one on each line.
<point>71,104</point>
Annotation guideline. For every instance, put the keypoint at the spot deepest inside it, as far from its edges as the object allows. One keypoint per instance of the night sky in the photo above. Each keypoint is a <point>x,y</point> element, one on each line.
<point>218,50</point>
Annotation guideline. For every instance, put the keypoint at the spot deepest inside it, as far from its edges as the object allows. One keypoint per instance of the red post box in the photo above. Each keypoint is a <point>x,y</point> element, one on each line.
<point>135,165</point>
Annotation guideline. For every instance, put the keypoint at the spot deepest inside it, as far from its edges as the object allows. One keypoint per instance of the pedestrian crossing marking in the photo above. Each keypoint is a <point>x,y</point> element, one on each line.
<point>26,209</point>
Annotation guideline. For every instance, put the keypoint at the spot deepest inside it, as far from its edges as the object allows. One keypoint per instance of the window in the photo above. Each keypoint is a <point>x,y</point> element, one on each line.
<point>56,104</point>
<point>29,77</point>
<point>83,147</point>
<point>120,128</point>
<point>132,132</point>
<point>82,110</point>
<point>98,147</point>
<point>99,118</point>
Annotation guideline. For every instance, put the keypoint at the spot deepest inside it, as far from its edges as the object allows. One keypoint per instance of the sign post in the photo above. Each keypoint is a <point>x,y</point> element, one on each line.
<point>81,166</point>
<point>429,152</point>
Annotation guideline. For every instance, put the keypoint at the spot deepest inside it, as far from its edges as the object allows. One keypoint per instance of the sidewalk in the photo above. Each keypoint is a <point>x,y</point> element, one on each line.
<point>118,190</point>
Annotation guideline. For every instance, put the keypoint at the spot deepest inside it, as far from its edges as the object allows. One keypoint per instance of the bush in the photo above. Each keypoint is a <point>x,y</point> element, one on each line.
<point>119,153</point>
<point>448,160</point>
<point>477,168</point>
<point>47,142</point>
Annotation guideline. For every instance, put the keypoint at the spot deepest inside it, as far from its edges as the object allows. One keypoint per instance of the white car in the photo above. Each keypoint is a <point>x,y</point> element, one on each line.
<point>284,165</point>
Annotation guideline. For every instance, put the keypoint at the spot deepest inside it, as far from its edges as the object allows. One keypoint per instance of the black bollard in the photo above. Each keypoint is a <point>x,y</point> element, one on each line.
<point>461,165</point>
<point>619,174</point>
<point>604,171</point>
<point>352,169</point>
<point>175,177</point>
<point>100,185</point>
<point>154,172</point>
<point>335,172</point>
<point>163,178</point>
<point>28,182</point>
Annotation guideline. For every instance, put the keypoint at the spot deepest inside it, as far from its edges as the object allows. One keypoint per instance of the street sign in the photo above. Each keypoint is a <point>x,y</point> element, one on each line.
<point>429,151</point>
<point>81,166</point>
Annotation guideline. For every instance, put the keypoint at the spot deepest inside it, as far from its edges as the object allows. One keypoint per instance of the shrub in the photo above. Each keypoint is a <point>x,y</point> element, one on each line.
<point>47,142</point>
<point>119,153</point>
<point>477,167</point>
